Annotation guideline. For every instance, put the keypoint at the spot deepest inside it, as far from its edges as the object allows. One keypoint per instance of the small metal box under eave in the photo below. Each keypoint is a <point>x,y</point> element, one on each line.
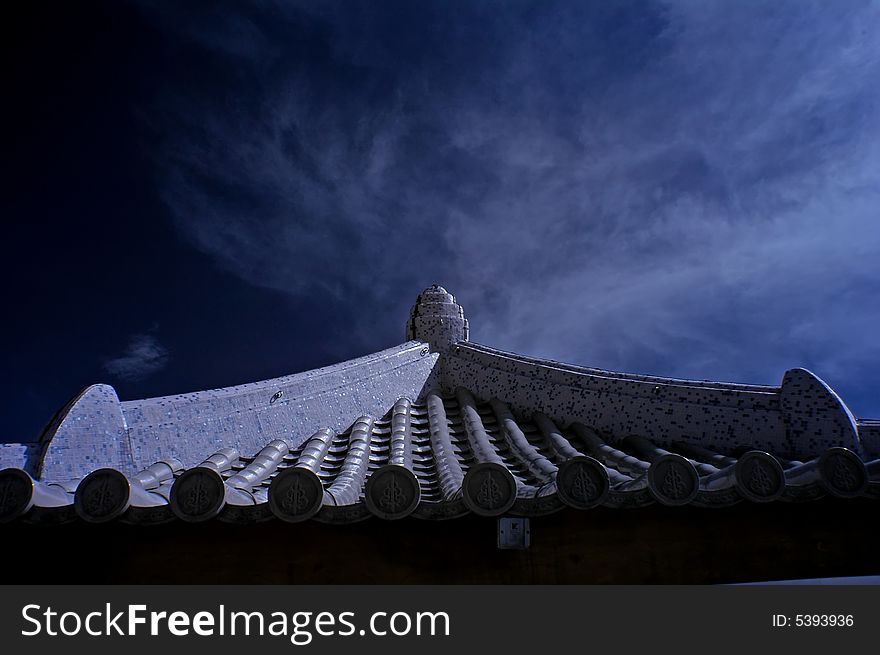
<point>513,533</point>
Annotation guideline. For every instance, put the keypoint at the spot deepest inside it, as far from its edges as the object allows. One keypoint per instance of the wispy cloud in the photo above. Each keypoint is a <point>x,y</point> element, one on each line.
<point>682,188</point>
<point>143,357</point>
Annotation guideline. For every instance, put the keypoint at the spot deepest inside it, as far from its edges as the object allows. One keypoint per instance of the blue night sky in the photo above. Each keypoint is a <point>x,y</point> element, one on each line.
<point>200,195</point>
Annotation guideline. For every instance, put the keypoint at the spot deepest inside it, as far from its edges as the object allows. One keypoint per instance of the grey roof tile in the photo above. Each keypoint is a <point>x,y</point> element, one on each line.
<point>418,461</point>
<point>446,427</point>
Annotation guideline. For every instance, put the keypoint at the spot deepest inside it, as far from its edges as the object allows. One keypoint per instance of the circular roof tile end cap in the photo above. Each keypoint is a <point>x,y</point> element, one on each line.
<point>392,492</point>
<point>198,495</point>
<point>295,495</point>
<point>103,495</point>
<point>673,480</point>
<point>16,493</point>
<point>759,477</point>
<point>582,482</point>
<point>843,473</point>
<point>489,489</point>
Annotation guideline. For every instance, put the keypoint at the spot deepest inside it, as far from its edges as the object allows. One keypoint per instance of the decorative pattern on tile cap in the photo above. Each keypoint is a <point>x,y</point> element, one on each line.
<point>582,482</point>
<point>102,496</point>
<point>440,459</point>
<point>392,492</point>
<point>489,489</point>
<point>759,477</point>
<point>437,319</point>
<point>20,494</point>
<point>16,493</point>
<point>672,479</point>
<point>471,429</point>
<point>296,494</point>
<point>200,493</point>
<point>842,473</point>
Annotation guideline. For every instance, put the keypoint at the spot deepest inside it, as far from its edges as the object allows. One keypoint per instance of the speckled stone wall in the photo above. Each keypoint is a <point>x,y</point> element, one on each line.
<point>18,455</point>
<point>92,434</point>
<point>869,436</point>
<point>801,419</point>
<point>815,417</point>
<point>291,407</point>
<point>798,419</point>
<point>100,431</point>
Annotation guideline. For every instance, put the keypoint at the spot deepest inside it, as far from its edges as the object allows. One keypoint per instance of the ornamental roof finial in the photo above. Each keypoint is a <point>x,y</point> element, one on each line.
<point>437,319</point>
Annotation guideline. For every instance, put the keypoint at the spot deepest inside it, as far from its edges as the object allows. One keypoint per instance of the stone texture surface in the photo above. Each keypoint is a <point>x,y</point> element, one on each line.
<point>18,455</point>
<point>869,435</point>
<point>800,419</point>
<point>451,404</point>
<point>97,430</point>
<point>814,417</point>
<point>438,458</point>
<point>92,434</point>
<point>437,319</point>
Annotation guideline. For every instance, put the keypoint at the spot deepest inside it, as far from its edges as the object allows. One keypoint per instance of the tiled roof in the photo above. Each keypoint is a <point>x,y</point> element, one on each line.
<point>438,427</point>
<point>437,459</point>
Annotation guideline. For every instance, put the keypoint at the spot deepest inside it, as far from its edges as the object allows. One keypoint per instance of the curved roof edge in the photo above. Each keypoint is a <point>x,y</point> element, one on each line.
<point>800,418</point>
<point>97,430</point>
<point>438,458</point>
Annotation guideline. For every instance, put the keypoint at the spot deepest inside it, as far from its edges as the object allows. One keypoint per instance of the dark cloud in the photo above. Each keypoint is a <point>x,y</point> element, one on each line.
<point>143,357</point>
<point>676,188</point>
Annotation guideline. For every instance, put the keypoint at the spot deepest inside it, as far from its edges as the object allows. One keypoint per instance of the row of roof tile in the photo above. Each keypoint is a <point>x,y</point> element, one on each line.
<point>438,459</point>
